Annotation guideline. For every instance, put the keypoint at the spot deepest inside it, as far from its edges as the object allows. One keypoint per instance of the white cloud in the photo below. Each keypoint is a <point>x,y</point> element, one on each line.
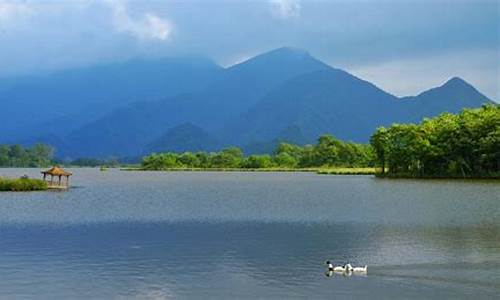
<point>147,26</point>
<point>286,8</point>
<point>12,10</point>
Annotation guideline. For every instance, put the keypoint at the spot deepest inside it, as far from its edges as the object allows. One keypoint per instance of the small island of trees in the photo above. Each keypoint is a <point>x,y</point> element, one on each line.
<point>462,145</point>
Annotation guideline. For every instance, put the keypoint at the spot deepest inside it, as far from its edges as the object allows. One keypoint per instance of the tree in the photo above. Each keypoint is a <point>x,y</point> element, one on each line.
<point>228,158</point>
<point>189,159</point>
<point>258,161</point>
<point>327,151</point>
<point>17,156</point>
<point>284,159</point>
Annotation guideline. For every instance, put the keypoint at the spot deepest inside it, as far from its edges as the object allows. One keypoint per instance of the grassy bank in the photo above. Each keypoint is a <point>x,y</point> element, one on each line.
<point>411,176</point>
<point>323,171</point>
<point>21,185</point>
<point>223,169</point>
<point>347,171</point>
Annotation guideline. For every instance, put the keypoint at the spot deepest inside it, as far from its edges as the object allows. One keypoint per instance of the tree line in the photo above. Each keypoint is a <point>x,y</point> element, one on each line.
<point>450,145</point>
<point>38,155</point>
<point>328,151</point>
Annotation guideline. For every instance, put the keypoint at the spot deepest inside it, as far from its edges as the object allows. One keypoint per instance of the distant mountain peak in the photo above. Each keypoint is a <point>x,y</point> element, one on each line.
<point>456,82</point>
<point>282,57</point>
<point>285,53</point>
<point>293,51</point>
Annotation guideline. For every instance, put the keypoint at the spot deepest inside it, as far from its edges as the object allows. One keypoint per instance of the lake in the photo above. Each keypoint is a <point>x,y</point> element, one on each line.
<point>119,234</point>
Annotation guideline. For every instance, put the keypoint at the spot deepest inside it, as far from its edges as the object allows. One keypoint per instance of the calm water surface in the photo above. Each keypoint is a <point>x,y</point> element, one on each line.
<point>249,235</point>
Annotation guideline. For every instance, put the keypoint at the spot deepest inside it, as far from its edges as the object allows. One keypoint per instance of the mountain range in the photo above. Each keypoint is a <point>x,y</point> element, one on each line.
<point>189,104</point>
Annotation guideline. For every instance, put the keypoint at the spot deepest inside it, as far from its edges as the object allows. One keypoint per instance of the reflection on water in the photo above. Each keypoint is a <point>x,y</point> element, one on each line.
<point>232,235</point>
<point>245,259</point>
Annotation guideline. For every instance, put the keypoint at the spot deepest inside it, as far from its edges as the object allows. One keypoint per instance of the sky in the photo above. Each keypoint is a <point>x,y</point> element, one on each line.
<point>403,46</point>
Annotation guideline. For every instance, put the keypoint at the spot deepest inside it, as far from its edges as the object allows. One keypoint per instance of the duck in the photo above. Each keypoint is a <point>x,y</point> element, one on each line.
<point>334,268</point>
<point>363,269</point>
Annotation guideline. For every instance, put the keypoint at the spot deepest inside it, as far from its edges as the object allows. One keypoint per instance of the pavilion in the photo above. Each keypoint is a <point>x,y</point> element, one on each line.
<point>56,172</point>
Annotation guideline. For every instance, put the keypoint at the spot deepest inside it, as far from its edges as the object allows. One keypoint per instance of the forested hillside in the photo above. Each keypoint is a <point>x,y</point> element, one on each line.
<point>17,156</point>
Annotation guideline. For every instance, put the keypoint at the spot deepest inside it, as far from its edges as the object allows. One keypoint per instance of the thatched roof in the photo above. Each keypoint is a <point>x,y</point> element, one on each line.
<point>56,171</point>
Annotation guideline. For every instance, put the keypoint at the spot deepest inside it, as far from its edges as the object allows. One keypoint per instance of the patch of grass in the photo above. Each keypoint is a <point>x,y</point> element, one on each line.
<point>21,185</point>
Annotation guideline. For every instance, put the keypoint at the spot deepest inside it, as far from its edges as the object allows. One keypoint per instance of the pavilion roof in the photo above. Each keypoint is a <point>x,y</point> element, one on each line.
<point>56,171</point>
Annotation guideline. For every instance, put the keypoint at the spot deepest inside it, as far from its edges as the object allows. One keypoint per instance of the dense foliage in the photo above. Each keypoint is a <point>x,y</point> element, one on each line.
<point>329,151</point>
<point>22,184</point>
<point>17,156</point>
<point>461,145</point>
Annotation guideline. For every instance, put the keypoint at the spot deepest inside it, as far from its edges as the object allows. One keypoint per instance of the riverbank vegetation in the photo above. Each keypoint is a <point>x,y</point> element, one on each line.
<point>328,152</point>
<point>39,155</point>
<point>464,145</point>
<point>21,184</point>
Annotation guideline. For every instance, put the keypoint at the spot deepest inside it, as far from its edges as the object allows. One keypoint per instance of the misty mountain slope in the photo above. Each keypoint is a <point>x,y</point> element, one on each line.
<point>242,85</point>
<point>237,89</point>
<point>37,105</point>
<point>329,101</point>
<point>452,96</point>
<point>126,131</point>
<point>182,138</point>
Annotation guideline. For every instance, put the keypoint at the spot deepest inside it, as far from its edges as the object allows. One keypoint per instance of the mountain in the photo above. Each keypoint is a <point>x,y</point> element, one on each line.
<point>64,101</point>
<point>452,96</point>
<point>182,138</point>
<point>127,130</point>
<point>242,85</point>
<point>281,95</point>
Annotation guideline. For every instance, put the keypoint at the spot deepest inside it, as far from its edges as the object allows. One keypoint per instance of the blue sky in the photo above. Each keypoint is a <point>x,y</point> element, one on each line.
<point>403,46</point>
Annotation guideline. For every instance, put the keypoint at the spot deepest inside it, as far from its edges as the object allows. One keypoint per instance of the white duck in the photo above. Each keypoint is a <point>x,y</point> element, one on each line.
<point>333,268</point>
<point>350,268</point>
<point>360,269</point>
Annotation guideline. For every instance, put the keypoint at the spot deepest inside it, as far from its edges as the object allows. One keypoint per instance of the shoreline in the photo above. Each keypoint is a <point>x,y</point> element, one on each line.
<point>320,171</point>
<point>437,177</point>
